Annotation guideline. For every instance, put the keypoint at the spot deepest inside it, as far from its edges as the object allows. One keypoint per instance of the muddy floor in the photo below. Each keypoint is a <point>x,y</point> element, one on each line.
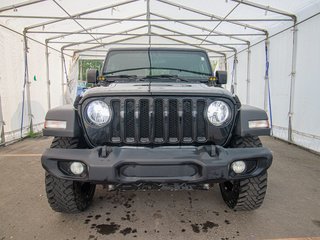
<point>291,208</point>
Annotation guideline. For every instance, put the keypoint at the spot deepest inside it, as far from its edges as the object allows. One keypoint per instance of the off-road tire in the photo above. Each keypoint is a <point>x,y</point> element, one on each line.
<point>247,194</point>
<point>64,195</point>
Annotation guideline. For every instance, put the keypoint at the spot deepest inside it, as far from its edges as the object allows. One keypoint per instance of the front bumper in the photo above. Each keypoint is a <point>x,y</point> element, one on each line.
<point>157,165</point>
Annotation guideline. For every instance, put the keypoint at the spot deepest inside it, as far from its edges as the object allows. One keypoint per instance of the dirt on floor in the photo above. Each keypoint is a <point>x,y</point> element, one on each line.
<point>291,208</point>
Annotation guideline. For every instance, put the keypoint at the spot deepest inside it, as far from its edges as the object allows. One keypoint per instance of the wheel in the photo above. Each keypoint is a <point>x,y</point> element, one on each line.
<point>64,195</point>
<point>247,194</point>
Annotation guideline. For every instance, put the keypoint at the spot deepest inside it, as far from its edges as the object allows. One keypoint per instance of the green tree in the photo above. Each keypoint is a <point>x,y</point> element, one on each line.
<point>85,64</point>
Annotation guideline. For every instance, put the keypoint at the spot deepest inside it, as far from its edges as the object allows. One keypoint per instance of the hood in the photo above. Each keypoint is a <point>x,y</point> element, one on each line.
<point>156,89</point>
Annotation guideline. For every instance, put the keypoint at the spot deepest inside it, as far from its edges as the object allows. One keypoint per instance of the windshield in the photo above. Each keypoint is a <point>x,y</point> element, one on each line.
<point>144,63</point>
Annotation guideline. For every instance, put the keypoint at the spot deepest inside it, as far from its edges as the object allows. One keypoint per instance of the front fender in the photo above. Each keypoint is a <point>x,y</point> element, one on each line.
<point>65,113</point>
<point>248,113</point>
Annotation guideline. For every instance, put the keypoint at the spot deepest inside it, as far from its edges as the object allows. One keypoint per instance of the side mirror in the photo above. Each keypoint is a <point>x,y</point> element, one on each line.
<point>92,75</point>
<point>221,77</point>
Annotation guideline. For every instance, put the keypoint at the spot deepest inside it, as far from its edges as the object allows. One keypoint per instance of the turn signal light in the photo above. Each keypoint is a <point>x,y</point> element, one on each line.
<point>259,124</point>
<point>55,124</point>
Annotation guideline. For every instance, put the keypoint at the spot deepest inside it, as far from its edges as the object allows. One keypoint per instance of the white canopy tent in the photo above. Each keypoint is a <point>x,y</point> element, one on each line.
<point>270,49</point>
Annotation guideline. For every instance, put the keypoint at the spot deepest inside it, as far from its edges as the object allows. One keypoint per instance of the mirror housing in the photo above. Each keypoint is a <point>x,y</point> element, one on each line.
<point>92,76</point>
<point>221,77</point>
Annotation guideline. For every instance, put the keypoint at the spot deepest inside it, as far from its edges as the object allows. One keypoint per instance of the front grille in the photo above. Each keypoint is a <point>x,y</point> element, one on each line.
<point>159,121</point>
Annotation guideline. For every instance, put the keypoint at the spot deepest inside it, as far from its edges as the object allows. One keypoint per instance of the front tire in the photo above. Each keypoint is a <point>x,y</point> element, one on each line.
<point>246,194</point>
<point>64,195</point>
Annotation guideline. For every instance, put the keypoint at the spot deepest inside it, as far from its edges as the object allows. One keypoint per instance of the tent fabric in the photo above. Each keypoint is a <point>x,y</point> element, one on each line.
<point>88,29</point>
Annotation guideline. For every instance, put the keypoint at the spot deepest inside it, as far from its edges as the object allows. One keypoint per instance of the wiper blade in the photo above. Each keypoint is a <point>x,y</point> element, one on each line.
<point>168,76</point>
<point>182,70</point>
<point>127,69</point>
<point>121,76</point>
<point>151,67</point>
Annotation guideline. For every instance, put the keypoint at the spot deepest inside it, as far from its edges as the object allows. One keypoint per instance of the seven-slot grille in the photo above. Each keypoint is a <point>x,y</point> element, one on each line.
<point>158,120</point>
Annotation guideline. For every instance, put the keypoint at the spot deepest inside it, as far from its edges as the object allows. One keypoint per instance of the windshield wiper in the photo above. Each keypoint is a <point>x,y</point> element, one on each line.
<point>121,76</point>
<point>182,70</point>
<point>127,69</point>
<point>168,76</point>
<point>167,68</point>
<point>113,78</point>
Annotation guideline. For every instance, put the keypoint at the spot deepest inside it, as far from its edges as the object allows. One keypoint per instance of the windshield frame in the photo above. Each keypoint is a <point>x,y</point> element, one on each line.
<point>148,50</point>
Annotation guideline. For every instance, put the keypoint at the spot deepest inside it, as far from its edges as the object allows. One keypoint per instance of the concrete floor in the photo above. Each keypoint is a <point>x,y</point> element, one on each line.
<point>291,207</point>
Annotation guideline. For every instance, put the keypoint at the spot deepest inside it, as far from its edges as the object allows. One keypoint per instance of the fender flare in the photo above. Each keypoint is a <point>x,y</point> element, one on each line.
<point>248,113</point>
<point>65,113</point>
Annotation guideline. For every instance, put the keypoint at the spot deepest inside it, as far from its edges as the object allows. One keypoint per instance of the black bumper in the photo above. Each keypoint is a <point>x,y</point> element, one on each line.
<point>156,165</point>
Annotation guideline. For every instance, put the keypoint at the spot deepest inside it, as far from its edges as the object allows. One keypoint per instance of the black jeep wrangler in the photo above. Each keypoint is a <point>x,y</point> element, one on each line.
<point>156,118</point>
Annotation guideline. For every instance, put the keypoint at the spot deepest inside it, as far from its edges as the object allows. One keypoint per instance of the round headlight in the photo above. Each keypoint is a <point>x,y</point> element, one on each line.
<point>218,113</point>
<point>99,113</point>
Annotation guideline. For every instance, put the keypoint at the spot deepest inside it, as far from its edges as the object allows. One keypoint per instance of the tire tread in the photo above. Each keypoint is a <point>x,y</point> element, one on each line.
<point>63,195</point>
<point>60,194</point>
<point>251,191</point>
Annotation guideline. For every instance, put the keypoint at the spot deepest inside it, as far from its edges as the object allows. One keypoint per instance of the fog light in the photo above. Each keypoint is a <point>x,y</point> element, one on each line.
<point>238,166</point>
<point>77,168</point>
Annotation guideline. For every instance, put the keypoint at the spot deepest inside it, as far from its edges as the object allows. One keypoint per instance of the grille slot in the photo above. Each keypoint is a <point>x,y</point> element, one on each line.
<point>144,120</point>
<point>129,121</point>
<point>201,124</point>
<point>115,130</point>
<point>173,121</point>
<point>187,120</point>
<point>158,120</point>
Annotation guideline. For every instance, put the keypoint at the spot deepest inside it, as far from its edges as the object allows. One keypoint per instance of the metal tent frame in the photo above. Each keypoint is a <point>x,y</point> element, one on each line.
<point>2,123</point>
<point>151,21</point>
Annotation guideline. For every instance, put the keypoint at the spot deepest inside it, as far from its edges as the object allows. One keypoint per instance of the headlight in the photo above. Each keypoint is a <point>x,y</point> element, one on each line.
<point>218,113</point>
<point>99,113</point>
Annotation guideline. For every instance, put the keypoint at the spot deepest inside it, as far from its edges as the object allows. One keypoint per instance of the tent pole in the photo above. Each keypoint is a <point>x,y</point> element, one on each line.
<point>90,28</point>
<point>102,45</point>
<point>213,17</point>
<point>266,8</point>
<point>236,21</point>
<point>202,28</point>
<point>146,34</point>
<point>102,38</point>
<point>193,45</point>
<point>149,25</point>
<point>27,81</point>
<point>48,76</point>
<point>80,69</point>
<point>225,63</point>
<point>248,74</point>
<point>2,137</point>
<point>155,44</point>
<point>62,77</point>
<point>19,5</point>
<point>293,79</point>
<point>266,76</point>
<point>75,16</point>
<point>194,37</point>
<point>235,83</point>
